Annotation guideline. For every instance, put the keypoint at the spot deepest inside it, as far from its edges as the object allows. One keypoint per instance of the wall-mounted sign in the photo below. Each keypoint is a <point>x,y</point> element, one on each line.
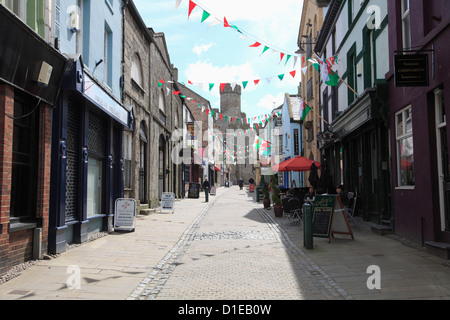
<point>411,70</point>
<point>296,143</point>
<point>104,101</point>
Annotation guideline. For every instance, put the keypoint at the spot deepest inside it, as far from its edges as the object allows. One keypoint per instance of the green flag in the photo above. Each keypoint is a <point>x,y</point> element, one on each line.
<point>306,111</point>
<point>205,15</point>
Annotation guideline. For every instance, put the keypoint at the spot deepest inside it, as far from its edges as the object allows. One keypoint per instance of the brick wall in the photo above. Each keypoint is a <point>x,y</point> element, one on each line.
<point>6,133</point>
<point>17,247</point>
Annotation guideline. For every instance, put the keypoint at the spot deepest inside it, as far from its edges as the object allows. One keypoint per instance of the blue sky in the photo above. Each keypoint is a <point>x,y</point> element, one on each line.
<point>206,53</point>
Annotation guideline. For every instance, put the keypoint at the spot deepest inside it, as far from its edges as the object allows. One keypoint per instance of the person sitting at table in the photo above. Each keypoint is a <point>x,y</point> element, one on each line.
<point>343,195</point>
<point>309,197</point>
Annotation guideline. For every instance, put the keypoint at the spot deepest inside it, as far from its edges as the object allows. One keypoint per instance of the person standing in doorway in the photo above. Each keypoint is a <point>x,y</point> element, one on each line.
<point>206,187</point>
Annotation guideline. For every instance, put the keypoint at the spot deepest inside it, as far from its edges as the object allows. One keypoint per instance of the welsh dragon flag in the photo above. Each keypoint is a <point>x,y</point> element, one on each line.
<point>329,77</point>
<point>263,147</point>
<point>304,109</point>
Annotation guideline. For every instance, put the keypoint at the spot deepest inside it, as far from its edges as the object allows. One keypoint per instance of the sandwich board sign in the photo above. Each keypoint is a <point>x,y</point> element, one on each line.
<point>329,218</point>
<point>167,201</point>
<point>125,215</point>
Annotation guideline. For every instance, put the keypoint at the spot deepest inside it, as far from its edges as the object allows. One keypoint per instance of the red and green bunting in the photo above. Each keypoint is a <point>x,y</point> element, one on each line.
<point>206,15</point>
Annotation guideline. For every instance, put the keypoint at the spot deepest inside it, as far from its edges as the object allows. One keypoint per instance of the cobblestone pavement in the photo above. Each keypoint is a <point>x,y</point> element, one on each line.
<point>235,250</point>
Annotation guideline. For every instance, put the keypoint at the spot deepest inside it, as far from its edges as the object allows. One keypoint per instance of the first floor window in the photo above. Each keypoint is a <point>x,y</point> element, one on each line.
<point>405,147</point>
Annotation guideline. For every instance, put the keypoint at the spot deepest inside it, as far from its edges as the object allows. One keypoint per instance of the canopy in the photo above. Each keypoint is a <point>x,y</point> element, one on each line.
<point>298,163</point>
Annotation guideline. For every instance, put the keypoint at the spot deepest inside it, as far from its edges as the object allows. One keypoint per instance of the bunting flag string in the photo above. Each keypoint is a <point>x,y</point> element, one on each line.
<point>206,15</point>
<point>245,83</point>
<point>259,120</point>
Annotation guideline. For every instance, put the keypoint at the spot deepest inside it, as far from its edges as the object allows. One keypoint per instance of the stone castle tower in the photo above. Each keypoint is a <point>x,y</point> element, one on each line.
<point>230,105</point>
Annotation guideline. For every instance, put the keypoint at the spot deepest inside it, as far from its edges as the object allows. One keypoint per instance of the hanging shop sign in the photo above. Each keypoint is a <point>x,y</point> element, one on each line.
<point>411,70</point>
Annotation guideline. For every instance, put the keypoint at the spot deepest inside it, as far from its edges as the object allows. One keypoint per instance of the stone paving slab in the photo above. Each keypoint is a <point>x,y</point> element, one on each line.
<point>231,248</point>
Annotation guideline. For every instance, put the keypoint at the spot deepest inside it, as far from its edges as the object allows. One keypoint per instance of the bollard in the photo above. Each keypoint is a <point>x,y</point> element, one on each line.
<point>257,194</point>
<point>307,226</point>
<point>206,194</point>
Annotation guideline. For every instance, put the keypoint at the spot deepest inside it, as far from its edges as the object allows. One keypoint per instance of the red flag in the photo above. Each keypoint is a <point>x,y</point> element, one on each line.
<point>192,5</point>
<point>207,112</point>
<point>282,56</point>
<point>176,92</point>
<point>293,73</point>
<point>190,82</point>
<point>221,116</point>
<point>222,86</point>
<point>255,45</point>
<point>256,82</point>
<point>225,23</point>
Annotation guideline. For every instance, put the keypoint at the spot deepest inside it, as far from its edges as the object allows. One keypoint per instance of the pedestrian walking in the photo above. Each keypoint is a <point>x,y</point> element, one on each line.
<point>206,187</point>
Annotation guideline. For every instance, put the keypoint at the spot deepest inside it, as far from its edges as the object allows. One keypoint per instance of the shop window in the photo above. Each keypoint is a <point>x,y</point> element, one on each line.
<point>405,148</point>
<point>24,159</point>
<point>97,157</point>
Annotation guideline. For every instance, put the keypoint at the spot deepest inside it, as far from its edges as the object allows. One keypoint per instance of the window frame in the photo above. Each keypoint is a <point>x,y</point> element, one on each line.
<point>406,32</point>
<point>399,138</point>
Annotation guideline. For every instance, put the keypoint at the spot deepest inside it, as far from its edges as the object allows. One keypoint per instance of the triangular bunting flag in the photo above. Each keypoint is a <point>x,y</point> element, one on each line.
<point>192,5</point>
<point>281,77</point>
<point>287,58</point>
<point>211,85</point>
<point>255,45</point>
<point>282,56</point>
<point>222,86</point>
<point>256,82</point>
<point>205,16</point>
<point>225,23</point>
<point>265,49</point>
<point>293,73</point>
<point>244,84</point>
<point>215,21</point>
<point>177,4</point>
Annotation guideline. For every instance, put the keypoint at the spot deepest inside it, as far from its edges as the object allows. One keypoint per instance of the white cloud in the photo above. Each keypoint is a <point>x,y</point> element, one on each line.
<point>270,102</point>
<point>206,72</point>
<point>199,49</point>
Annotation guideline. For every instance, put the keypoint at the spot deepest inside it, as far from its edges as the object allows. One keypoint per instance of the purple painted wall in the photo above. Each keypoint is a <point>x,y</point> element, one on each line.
<point>416,211</point>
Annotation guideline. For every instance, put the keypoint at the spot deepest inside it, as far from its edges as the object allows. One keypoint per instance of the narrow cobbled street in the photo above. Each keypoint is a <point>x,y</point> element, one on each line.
<point>235,250</point>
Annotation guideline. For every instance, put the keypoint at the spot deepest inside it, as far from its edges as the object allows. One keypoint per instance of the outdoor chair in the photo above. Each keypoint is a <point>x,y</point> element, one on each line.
<point>293,210</point>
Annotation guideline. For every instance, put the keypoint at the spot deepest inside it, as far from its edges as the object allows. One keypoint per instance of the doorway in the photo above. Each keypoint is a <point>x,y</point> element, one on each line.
<point>161,166</point>
<point>443,160</point>
<point>143,163</point>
